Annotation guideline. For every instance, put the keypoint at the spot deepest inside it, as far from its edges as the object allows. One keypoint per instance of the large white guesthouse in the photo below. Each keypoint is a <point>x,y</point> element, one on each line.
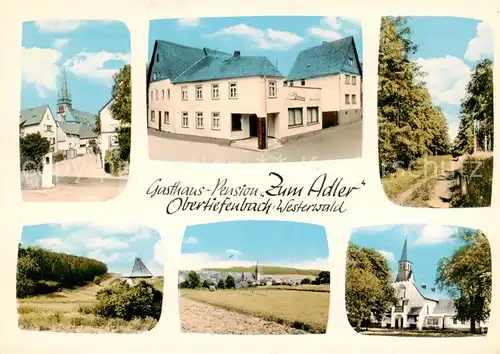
<point>207,93</point>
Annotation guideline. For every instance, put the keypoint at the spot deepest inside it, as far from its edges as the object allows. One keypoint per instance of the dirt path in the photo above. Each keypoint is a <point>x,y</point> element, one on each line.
<point>441,195</point>
<point>203,318</point>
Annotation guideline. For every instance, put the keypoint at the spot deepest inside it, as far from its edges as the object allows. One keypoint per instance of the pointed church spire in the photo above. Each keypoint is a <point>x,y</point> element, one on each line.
<point>404,253</point>
<point>64,94</point>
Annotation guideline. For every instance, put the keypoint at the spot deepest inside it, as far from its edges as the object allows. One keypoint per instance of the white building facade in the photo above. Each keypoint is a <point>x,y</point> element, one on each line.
<point>206,93</point>
<point>39,120</point>
<point>108,138</point>
<point>418,311</point>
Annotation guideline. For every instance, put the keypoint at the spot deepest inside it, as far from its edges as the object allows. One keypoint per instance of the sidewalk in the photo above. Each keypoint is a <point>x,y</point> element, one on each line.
<point>87,166</point>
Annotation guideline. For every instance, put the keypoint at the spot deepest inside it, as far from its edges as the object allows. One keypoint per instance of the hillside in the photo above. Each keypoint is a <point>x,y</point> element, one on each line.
<point>270,270</point>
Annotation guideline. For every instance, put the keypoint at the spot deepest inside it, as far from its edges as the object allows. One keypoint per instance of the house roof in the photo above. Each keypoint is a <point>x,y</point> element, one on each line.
<point>414,311</point>
<point>83,130</point>
<point>445,306</point>
<point>32,116</point>
<point>82,117</point>
<point>329,58</point>
<point>140,270</point>
<point>105,105</point>
<point>180,64</point>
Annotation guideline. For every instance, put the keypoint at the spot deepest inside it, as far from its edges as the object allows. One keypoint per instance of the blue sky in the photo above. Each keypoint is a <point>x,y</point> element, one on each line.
<point>276,243</point>
<point>427,244</point>
<point>449,48</point>
<point>117,246</point>
<point>279,38</point>
<point>91,51</point>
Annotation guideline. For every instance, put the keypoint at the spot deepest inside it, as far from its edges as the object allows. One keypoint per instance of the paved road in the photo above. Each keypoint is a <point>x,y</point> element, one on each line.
<point>341,142</point>
<point>203,318</point>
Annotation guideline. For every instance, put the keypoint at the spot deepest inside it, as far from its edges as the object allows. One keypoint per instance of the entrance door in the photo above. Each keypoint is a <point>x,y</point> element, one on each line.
<point>330,119</point>
<point>253,126</point>
<point>159,121</point>
<point>262,133</point>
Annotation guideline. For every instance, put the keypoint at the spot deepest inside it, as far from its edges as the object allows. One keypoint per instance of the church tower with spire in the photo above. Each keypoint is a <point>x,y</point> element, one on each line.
<point>63,97</point>
<point>405,267</point>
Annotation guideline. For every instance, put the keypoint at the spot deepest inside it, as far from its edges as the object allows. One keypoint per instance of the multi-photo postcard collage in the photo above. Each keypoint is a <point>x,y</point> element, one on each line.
<point>282,177</point>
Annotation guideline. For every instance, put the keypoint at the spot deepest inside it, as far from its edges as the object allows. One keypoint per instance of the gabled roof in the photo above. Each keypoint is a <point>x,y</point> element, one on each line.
<point>329,58</point>
<point>32,116</point>
<point>445,306</point>
<point>82,117</point>
<point>179,64</point>
<point>140,270</point>
<point>82,130</point>
<point>105,105</point>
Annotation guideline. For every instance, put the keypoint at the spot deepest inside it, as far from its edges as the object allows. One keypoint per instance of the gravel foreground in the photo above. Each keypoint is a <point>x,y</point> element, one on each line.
<point>197,317</point>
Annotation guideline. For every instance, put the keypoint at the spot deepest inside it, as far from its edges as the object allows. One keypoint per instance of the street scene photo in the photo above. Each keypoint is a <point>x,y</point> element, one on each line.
<point>74,124</point>
<point>435,111</point>
<point>254,277</point>
<point>418,280</point>
<point>89,278</point>
<point>255,89</point>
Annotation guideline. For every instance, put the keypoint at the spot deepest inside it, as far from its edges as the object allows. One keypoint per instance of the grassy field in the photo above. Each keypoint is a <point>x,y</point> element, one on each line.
<point>404,179</point>
<point>270,270</point>
<point>68,311</point>
<point>306,310</point>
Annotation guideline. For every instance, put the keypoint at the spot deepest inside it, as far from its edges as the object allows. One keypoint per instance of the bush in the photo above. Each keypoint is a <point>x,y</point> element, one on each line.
<point>305,281</point>
<point>97,280</point>
<point>477,175</point>
<point>129,302</point>
<point>115,165</point>
<point>58,156</point>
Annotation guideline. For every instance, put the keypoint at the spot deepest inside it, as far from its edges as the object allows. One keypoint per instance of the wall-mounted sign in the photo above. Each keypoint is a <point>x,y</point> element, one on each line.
<point>295,97</point>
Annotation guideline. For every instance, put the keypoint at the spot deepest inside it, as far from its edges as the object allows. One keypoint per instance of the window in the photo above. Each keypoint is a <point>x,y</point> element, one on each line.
<point>184,93</point>
<point>294,116</point>
<point>303,82</point>
<point>48,128</point>
<point>151,96</point>
<point>166,117</point>
<point>215,91</point>
<point>168,94</point>
<point>351,61</point>
<point>462,322</point>
<point>455,320</point>
<point>353,99</point>
<point>152,116</point>
<point>353,80</point>
<point>290,83</point>
<point>347,79</point>
<point>347,99</point>
<point>236,122</point>
<point>285,83</point>
<point>272,89</point>
<point>312,115</point>
<point>215,120</point>
<point>157,57</point>
<point>199,120</point>
<point>233,90</point>
<point>185,120</point>
<point>433,321</point>
<point>156,95</point>
<point>199,92</point>
<point>159,116</point>
<point>162,94</point>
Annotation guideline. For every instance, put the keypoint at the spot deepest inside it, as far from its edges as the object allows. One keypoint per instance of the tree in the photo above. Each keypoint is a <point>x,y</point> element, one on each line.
<point>221,284</point>
<point>207,283</point>
<point>33,147</point>
<point>97,127</point>
<point>476,110</point>
<point>305,281</point>
<point>368,285</point>
<point>121,109</point>
<point>410,126</point>
<point>466,277</point>
<point>193,280</point>
<point>230,283</point>
<point>323,278</point>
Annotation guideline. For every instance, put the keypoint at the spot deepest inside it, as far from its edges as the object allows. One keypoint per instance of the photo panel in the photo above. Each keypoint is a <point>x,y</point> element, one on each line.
<point>89,278</point>
<point>75,119</point>
<point>255,89</point>
<point>254,277</point>
<point>435,111</point>
<point>419,280</point>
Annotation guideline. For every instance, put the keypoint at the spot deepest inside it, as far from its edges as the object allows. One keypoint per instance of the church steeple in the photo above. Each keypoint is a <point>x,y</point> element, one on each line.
<point>405,267</point>
<point>63,95</point>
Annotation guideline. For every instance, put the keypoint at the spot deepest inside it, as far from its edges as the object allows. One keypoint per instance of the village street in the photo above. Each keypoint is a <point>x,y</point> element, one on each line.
<point>342,142</point>
<point>80,179</point>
